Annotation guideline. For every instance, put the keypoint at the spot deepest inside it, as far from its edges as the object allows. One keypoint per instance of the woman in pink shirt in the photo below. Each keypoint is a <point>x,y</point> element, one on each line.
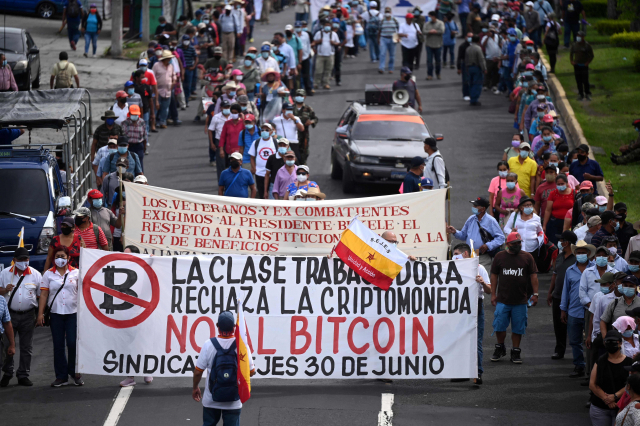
<point>499,182</point>
<point>508,198</point>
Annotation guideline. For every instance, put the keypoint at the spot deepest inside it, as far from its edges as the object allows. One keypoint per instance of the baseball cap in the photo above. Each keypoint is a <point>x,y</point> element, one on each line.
<point>633,367</point>
<point>524,145</point>
<point>288,27</point>
<point>426,181</point>
<point>123,142</point>
<point>606,278</point>
<point>530,67</point>
<point>217,49</point>
<point>287,107</point>
<point>140,179</point>
<point>417,161</point>
<point>635,255</point>
<point>94,193</point>
<point>128,84</point>
<point>250,117</point>
<point>620,206</point>
<point>594,221</point>
<point>431,142</point>
<point>225,104</point>
<point>613,335</point>
<point>633,312</point>
<point>480,202</point>
<point>405,70</point>
<point>264,48</point>
<point>121,94</point>
<point>547,118</point>
<point>587,184</point>
<point>228,7</point>
<point>226,321</point>
<point>608,216</point>
<point>21,252</point>
<point>143,62</point>
<point>631,279</point>
<point>69,222</point>
<point>584,147</point>
<point>409,16</point>
<point>82,211</point>
<point>270,127</point>
<point>600,200</point>
<point>134,110</point>
<point>236,156</point>
<point>514,236</point>
<point>112,142</point>
<point>306,168</point>
<point>512,31</point>
<point>568,236</point>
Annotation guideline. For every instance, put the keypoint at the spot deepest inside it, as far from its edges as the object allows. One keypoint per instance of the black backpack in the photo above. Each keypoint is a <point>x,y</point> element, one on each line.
<point>73,10</point>
<point>223,380</point>
<point>446,171</point>
<point>373,26</point>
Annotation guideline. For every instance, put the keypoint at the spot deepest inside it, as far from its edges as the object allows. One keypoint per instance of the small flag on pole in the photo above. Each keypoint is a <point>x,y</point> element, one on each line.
<point>21,243</point>
<point>369,255</point>
<point>244,357</point>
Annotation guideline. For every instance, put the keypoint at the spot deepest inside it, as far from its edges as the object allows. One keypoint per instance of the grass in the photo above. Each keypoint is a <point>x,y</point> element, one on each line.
<point>606,120</point>
<point>132,50</point>
<point>592,35</point>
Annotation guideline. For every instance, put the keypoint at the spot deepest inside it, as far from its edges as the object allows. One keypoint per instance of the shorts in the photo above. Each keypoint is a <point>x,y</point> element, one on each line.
<point>516,314</point>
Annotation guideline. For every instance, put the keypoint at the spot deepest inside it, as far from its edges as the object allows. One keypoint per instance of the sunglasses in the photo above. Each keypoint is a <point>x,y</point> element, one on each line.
<point>302,173</point>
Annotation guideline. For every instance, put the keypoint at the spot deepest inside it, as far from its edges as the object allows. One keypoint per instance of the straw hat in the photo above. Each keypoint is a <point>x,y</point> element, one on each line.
<point>166,54</point>
<point>316,192</point>
<point>270,71</point>
<point>582,244</point>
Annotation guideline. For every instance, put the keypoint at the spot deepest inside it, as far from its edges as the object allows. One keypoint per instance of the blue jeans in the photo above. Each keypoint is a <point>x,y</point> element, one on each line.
<point>163,112</point>
<point>433,52</point>
<point>568,29</point>
<point>387,46</point>
<point>505,80</point>
<point>451,49</point>
<point>139,148</point>
<point>302,16</point>
<point>73,30</point>
<point>145,117</point>
<point>374,48</point>
<point>575,326</point>
<point>90,38</point>
<point>189,75</point>
<point>475,82</point>
<point>463,22</point>
<point>63,329</point>
<point>480,335</point>
<point>211,416</point>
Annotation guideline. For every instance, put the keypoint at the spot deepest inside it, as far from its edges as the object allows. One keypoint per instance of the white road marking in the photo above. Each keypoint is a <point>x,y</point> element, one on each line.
<point>117,408</point>
<point>385,416</point>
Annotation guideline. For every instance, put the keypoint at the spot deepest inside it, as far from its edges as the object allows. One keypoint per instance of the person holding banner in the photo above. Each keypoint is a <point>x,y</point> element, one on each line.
<point>513,273</point>
<point>59,292</point>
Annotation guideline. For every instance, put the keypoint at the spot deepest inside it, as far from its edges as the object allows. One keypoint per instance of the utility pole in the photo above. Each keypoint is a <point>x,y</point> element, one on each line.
<point>116,28</point>
<point>146,25</point>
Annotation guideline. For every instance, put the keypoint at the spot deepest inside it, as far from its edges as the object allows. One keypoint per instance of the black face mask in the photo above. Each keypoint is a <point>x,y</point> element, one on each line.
<point>407,77</point>
<point>581,158</point>
<point>288,33</point>
<point>235,164</point>
<point>65,230</point>
<point>623,217</point>
<point>217,56</point>
<point>515,248</point>
<point>612,347</point>
<point>227,12</point>
<point>79,220</point>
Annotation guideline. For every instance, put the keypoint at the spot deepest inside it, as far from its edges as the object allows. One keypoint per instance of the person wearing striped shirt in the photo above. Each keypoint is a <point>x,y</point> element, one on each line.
<point>91,234</point>
<point>387,40</point>
<point>190,64</point>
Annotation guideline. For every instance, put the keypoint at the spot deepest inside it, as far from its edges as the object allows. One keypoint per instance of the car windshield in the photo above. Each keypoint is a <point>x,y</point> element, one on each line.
<point>11,43</point>
<point>390,127</point>
<point>28,193</point>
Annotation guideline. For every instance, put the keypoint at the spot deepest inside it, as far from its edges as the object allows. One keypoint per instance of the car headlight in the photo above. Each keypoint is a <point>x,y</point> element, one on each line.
<point>365,159</point>
<point>45,240</point>
<point>21,65</point>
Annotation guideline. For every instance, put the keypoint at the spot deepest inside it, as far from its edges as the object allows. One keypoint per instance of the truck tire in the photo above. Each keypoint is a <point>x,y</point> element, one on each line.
<point>348,184</point>
<point>336,169</point>
<point>46,10</point>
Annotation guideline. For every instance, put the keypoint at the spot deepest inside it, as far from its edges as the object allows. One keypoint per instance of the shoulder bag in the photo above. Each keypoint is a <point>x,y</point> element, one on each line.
<point>13,293</point>
<point>47,309</point>
<point>486,238</point>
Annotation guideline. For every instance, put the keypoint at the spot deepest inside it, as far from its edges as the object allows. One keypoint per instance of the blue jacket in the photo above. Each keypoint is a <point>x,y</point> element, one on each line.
<point>471,231</point>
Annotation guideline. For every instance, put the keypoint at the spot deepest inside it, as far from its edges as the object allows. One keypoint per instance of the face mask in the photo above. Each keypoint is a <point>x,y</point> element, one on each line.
<point>525,84</point>
<point>627,333</point>
<point>601,261</point>
<point>553,164</point>
<point>265,135</point>
<point>232,94</point>
<point>186,43</point>
<point>582,258</point>
<point>474,210</point>
<point>226,111</point>
<point>110,121</point>
<point>548,139</point>
<point>130,91</point>
<point>617,226</point>
<point>515,143</point>
<point>534,92</point>
<point>634,268</point>
<point>97,204</point>
<point>336,26</point>
<point>205,21</point>
<point>243,108</point>
<point>65,230</point>
<point>79,220</point>
<point>248,62</point>
<point>540,114</point>
<point>485,30</point>
<point>162,25</point>
<point>601,209</point>
<point>158,52</point>
<point>93,11</point>
<point>612,347</point>
<point>416,13</point>
<point>528,210</point>
<point>326,29</point>
<point>561,187</point>
<point>582,158</point>
<point>578,39</point>
<point>143,69</point>
<point>22,265</point>
<point>550,177</point>
<point>290,162</point>
<point>515,248</point>
<point>623,216</point>
<point>218,56</point>
<point>626,291</point>
<point>122,149</point>
<point>235,164</point>
<point>248,126</point>
<point>530,48</point>
<point>503,174</point>
<point>469,39</point>
<point>113,151</point>
<point>234,116</point>
<point>282,151</point>
<point>605,290</point>
<point>288,33</point>
<point>134,118</point>
<point>524,154</point>
<point>512,38</point>
<point>265,55</point>
<point>301,178</point>
<point>60,262</point>
<point>611,264</point>
<point>511,185</point>
<point>387,15</point>
<point>299,99</point>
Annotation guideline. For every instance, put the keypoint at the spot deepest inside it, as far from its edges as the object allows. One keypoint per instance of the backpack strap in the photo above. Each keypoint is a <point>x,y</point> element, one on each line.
<point>216,344</point>
<point>96,232</point>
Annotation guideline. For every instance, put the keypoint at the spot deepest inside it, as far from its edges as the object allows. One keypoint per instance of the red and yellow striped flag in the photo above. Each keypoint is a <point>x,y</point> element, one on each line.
<point>369,255</point>
<point>244,357</point>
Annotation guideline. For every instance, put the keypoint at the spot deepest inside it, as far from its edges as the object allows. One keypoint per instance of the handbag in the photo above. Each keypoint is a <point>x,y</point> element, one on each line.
<point>47,309</point>
<point>486,238</point>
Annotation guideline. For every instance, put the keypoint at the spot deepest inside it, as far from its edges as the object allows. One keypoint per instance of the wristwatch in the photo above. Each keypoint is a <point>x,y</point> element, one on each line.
<point>535,294</point>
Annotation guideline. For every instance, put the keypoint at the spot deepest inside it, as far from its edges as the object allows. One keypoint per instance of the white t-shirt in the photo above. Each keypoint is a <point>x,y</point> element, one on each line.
<point>411,40</point>
<point>264,150</point>
<point>483,273</point>
<point>368,14</point>
<point>121,112</point>
<point>204,362</point>
<point>286,128</point>
<point>265,64</point>
<point>326,48</point>
<point>349,37</point>
<point>217,121</point>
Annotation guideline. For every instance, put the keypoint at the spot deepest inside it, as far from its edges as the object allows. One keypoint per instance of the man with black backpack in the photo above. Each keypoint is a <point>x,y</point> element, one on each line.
<point>435,169</point>
<point>219,357</point>
<point>72,15</point>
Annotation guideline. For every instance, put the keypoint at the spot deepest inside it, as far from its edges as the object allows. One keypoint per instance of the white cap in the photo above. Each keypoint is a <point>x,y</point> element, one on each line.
<point>373,4</point>
<point>236,155</point>
<point>529,3</point>
<point>525,145</point>
<point>304,168</point>
<point>288,28</point>
<point>228,7</point>
<point>495,17</point>
<point>140,179</point>
<point>112,141</point>
<point>143,62</point>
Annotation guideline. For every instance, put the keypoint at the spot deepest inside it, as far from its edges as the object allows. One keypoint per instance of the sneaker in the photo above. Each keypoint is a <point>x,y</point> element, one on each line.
<point>73,45</point>
<point>438,76</point>
<point>169,121</point>
<point>78,380</point>
<point>338,83</point>
<point>577,372</point>
<point>499,352</point>
<point>5,381</point>
<point>163,126</point>
<point>580,98</point>
<point>497,92</point>
<point>466,98</point>
<point>380,72</point>
<point>250,40</point>
<point>154,130</point>
<point>212,164</point>
<point>85,55</point>
<point>128,382</point>
<point>475,104</point>
<point>452,66</point>
<point>429,77</point>
<point>177,123</point>
<point>588,97</point>
<point>477,381</point>
<point>557,356</point>
<point>515,356</point>
<point>59,382</point>
<point>390,71</point>
<point>24,381</point>
<point>148,379</point>
<point>485,88</point>
<point>197,118</point>
<point>93,56</point>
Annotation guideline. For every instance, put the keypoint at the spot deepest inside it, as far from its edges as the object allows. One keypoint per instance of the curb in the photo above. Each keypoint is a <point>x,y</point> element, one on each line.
<point>564,108</point>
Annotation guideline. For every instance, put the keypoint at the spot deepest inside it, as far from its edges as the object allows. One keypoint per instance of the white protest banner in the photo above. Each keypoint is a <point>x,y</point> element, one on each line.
<point>399,8</point>
<point>307,317</point>
<point>314,9</point>
<point>169,222</point>
<point>257,5</point>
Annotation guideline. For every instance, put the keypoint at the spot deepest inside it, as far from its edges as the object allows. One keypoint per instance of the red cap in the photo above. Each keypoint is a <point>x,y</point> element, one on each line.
<point>250,117</point>
<point>587,184</point>
<point>94,193</point>
<point>529,42</point>
<point>547,118</point>
<point>514,236</point>
<point>121,94</point>
<point>409,16</point>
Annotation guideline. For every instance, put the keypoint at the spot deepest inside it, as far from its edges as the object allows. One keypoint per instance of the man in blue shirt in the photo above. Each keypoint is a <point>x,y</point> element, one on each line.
<point>471,231</point>
<point>6,326</point>
<point>190,64</point>
<point>412,181</point>
<point>72,14</point>
<point>108,164</point>
<point>571,306</point>
<point>235,181</point>
<point>246,138</point>
<point>586,168</point>
<point>7,136</point>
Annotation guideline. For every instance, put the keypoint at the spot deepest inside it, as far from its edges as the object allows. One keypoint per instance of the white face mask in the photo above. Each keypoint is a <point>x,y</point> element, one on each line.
<point>61,262</point>
<point>457,257</point>
<point>301,178</point>
<point>22,265</point>
<point>234,116</point>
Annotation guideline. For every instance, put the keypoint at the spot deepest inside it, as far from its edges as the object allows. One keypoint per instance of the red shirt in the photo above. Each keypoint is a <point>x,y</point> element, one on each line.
<point>561,203</point>
<point>230,135</point>
<point>89,237</point>
<point>542,194</point>
<point>148,78</point>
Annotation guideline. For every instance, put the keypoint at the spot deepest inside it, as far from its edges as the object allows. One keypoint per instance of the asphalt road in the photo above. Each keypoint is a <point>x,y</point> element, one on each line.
<point>535,392</point>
